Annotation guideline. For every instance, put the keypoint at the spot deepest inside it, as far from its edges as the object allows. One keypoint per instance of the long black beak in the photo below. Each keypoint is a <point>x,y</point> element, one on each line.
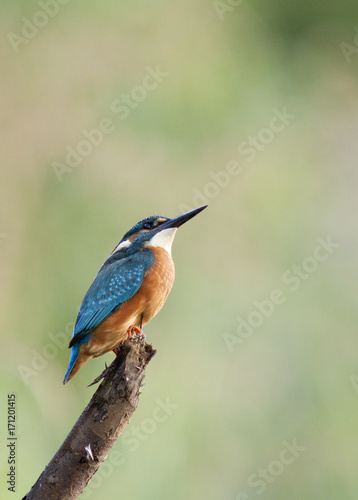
<point>181,219</point>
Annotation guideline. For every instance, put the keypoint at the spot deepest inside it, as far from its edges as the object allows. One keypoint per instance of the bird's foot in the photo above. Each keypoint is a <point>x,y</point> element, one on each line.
<point>135,333</point>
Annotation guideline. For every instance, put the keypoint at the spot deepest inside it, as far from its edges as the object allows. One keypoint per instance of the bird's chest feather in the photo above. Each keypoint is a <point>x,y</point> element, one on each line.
<point>157,283</point>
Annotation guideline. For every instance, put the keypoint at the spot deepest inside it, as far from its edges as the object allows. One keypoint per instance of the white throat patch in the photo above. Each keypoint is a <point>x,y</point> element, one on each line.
<point>123,244</point>
<point>163,239</point>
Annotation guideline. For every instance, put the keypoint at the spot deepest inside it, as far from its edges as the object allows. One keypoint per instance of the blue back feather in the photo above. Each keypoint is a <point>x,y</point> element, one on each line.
<point>115,283</point>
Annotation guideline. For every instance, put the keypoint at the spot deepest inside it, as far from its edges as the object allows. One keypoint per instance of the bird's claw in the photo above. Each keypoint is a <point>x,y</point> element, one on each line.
<point>136,334</point>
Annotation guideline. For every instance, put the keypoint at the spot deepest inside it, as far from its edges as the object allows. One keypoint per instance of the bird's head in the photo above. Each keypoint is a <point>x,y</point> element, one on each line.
<point>154,231</point>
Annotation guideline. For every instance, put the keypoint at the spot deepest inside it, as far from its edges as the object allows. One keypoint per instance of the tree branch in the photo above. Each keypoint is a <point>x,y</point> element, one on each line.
<point>97,429</point>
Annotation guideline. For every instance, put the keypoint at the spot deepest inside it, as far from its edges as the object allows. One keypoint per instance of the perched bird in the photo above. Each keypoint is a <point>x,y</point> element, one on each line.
<point>129,289</point>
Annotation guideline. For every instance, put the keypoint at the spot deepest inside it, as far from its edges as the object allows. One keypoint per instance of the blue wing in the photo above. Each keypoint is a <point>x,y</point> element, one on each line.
<point>117,281</point>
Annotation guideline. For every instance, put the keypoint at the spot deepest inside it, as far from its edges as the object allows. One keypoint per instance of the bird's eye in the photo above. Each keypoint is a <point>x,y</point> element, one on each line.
<point>147,225</point>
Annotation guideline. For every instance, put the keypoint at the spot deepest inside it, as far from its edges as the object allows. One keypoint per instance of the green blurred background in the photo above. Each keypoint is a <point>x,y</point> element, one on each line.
<point>230,67</point>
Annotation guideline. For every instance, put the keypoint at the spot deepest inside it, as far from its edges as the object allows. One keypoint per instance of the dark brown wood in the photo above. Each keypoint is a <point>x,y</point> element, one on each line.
<point>99,426</point>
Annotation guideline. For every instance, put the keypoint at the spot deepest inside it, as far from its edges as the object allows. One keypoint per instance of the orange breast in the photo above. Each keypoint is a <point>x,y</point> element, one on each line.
<point>157,283</point>
<point>145,304</point>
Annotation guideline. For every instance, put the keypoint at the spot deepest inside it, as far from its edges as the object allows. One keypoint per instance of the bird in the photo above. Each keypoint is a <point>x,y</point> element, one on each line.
<point>129,289</point>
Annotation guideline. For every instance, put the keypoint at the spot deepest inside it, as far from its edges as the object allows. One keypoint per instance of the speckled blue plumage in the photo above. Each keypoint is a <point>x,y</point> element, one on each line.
<point>115,283</point>
<point>119,278</point>
<point>141,224</point>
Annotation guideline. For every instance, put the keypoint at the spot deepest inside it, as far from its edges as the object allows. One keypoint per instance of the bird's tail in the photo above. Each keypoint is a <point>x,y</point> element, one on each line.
<point>73,358</point>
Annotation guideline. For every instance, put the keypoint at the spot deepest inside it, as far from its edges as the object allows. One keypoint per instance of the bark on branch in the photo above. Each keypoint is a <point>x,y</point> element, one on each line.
<point>99,427</point>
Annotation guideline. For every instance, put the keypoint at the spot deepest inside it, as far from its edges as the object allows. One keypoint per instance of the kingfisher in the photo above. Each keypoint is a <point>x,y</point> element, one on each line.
<point>130,288</point>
